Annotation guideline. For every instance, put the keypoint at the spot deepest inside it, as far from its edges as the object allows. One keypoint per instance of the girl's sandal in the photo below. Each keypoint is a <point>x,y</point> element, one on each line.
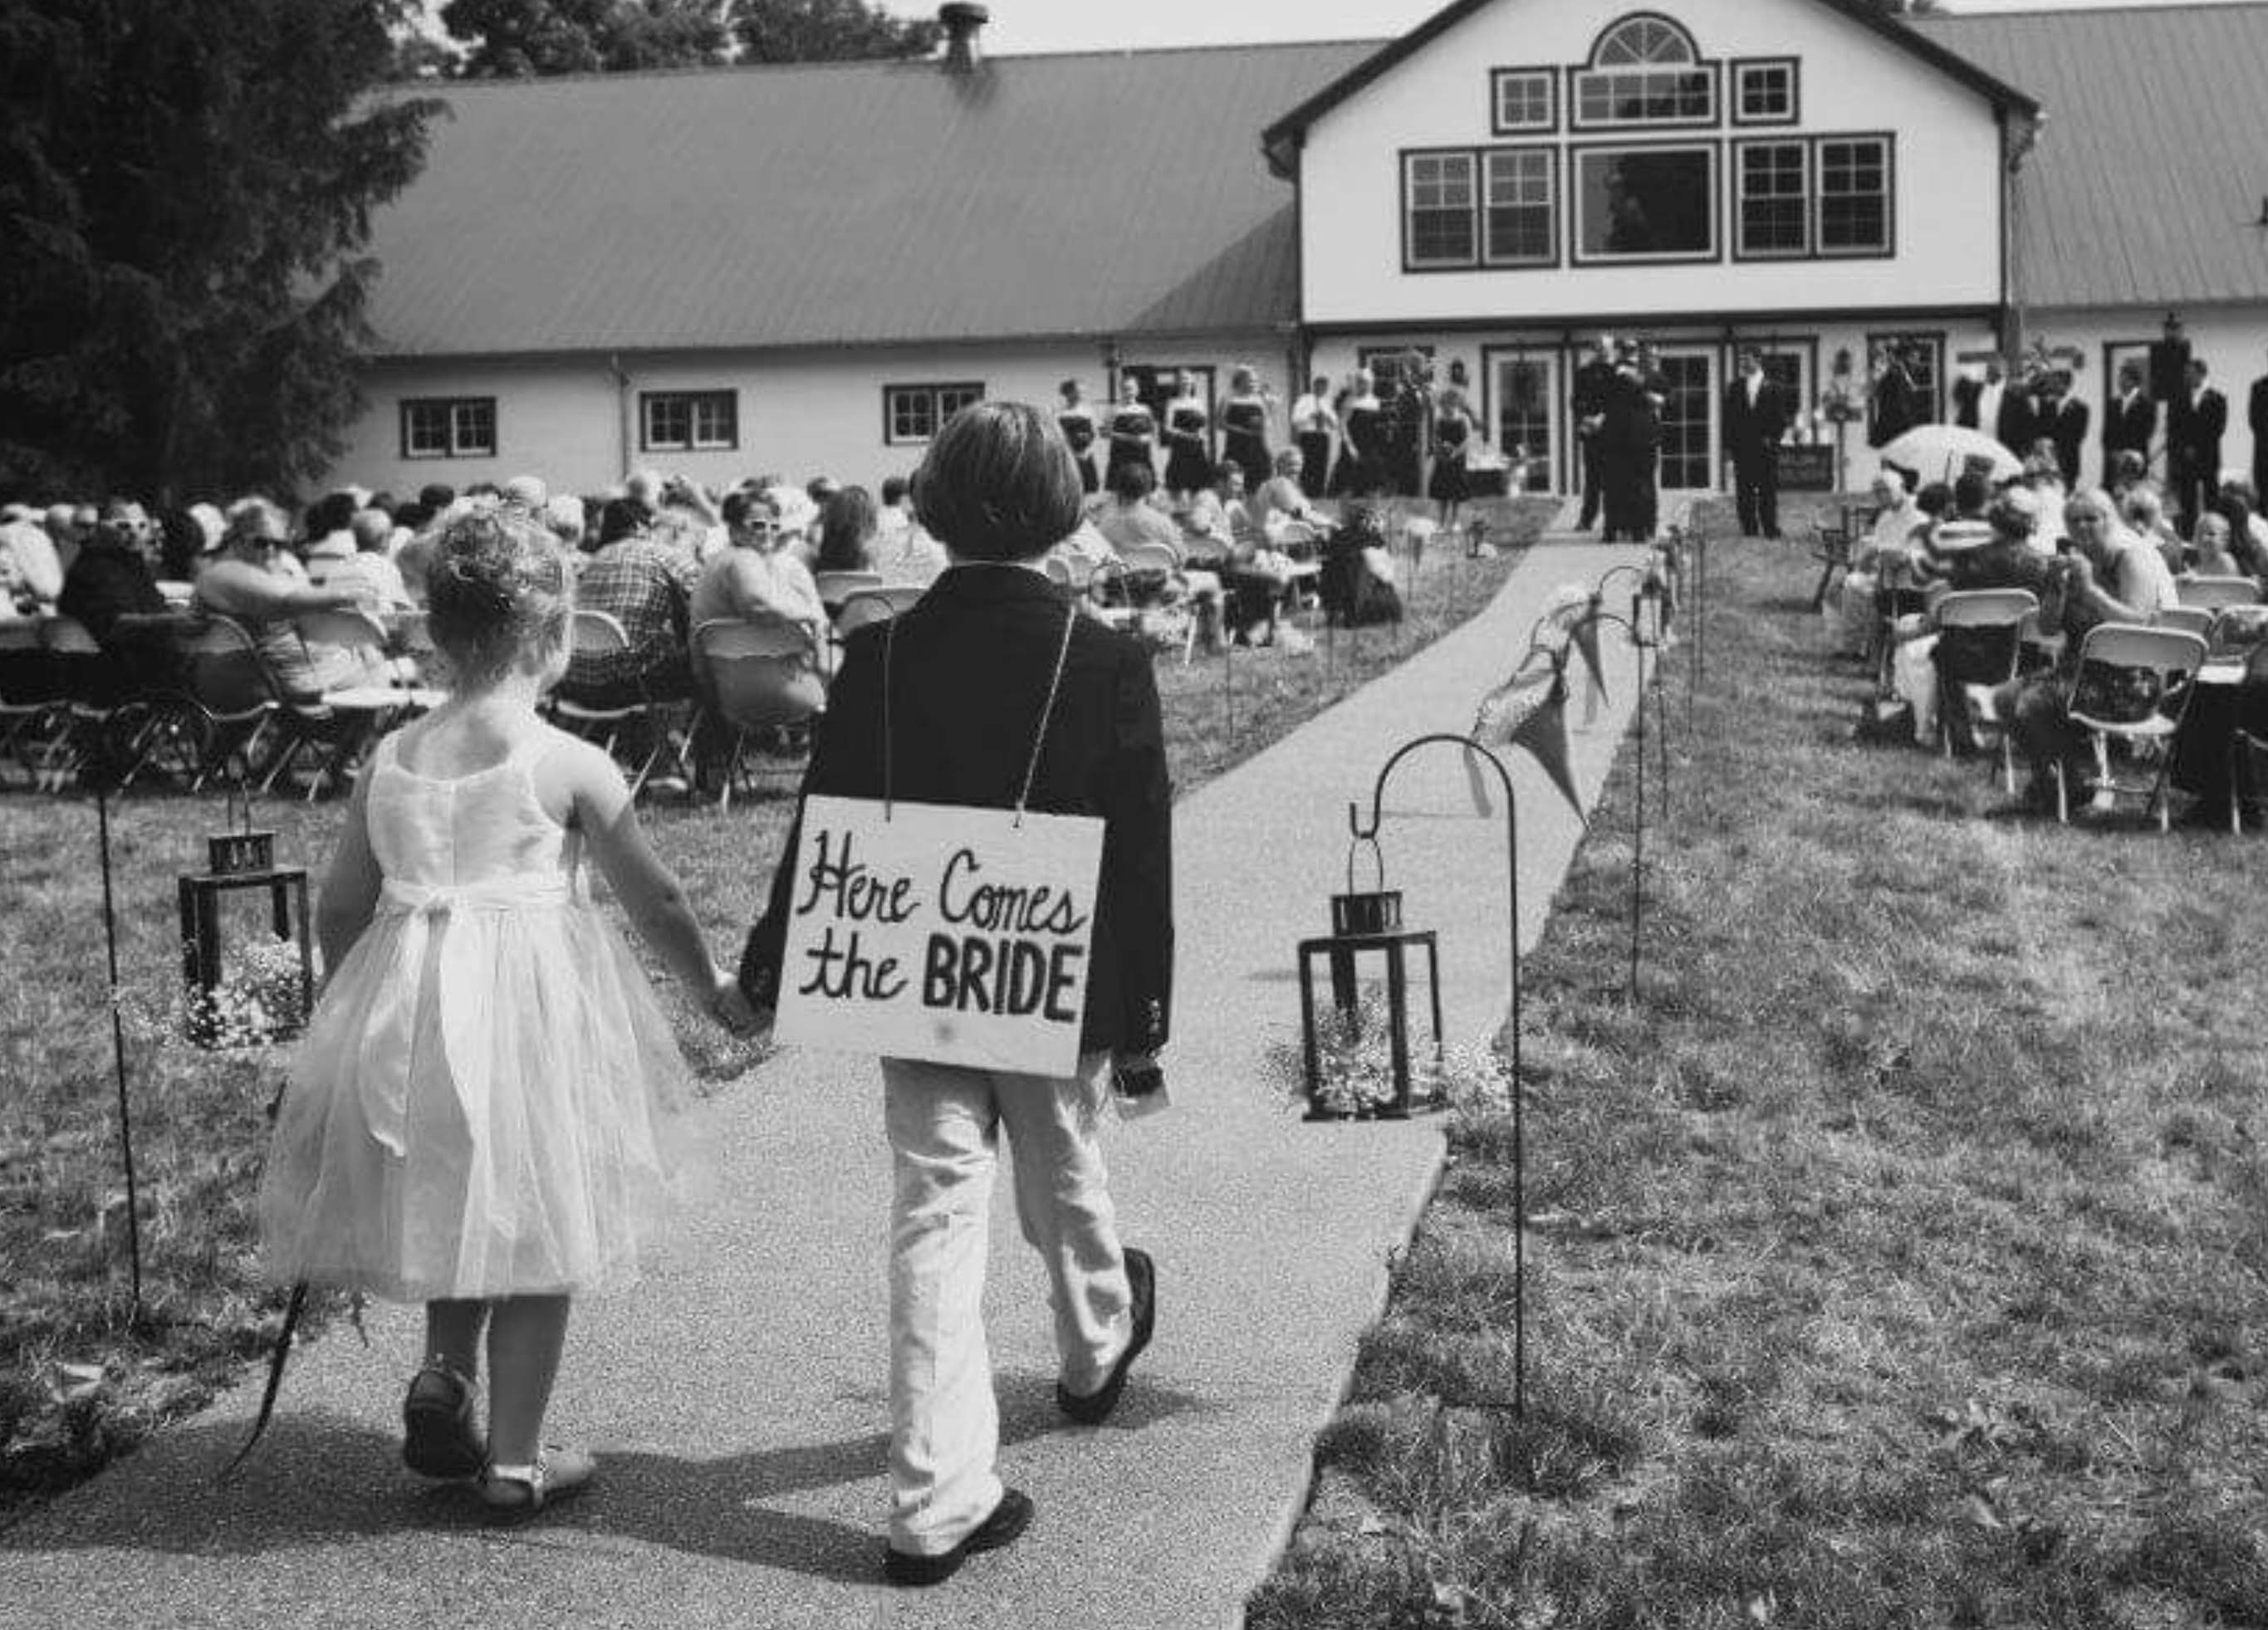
<point>438,1438</point>
<point>555,1474</point>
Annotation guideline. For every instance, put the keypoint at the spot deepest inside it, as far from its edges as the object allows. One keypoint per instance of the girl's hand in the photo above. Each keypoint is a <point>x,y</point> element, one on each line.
<point>729,1006</point>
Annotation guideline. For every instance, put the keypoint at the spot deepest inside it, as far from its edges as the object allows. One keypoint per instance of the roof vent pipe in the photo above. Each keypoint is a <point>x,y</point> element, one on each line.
<point>962,23</point>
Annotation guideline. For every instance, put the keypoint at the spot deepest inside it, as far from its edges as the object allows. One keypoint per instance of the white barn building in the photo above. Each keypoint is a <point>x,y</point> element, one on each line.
<point>799,269</point>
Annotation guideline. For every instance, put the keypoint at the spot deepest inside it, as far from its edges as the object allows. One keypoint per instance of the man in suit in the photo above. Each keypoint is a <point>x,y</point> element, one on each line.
<point>1588,398</point>
<point>2063,421</point>
<point>2255,415</point>
<point>1995,404</point>
<point>1755,417</point>
<point>2195,424</point>
<point>2130,419</point>
<point>994,691</point>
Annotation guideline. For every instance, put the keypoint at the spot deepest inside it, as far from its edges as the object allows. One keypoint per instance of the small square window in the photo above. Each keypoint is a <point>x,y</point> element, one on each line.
<point>1764,92</point>
<point>1526,100</point>
<point>915,412</point>
<point>689,421</point>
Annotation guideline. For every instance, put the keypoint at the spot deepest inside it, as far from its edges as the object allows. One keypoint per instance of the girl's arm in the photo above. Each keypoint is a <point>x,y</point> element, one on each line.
<point>349,893</point>
<point>647,889</point>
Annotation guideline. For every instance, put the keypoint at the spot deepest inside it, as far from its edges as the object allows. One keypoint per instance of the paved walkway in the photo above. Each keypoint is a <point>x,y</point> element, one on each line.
<point>737,1396</point>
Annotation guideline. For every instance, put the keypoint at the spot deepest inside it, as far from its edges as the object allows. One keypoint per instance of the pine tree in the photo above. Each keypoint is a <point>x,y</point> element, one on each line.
<point>188,186</point>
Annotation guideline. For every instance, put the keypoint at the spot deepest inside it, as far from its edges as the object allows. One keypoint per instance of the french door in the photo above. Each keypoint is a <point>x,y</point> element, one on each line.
<point>1524,414</point>
<point>1689,416</point>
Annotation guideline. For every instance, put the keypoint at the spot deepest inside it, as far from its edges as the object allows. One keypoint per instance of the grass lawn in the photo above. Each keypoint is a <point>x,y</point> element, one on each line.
<point>1897,1260</point>
<point>79,1379</point>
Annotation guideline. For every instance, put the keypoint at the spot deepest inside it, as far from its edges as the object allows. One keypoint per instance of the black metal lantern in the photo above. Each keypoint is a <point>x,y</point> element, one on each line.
<point>244,987</point>
<point>1366,929</point>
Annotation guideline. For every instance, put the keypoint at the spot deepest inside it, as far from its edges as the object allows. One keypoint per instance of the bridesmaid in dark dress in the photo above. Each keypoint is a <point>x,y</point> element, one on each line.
<point>1244,429</point>
<point>1078,427</point>
<point>1133,430</point>
<point>1188,460</point>
<point>1362,466</point>
<point>1453,435</point>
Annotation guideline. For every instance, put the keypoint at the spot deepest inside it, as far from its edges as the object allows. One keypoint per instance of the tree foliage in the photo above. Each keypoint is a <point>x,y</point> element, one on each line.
<point>515,39</point>
<point>510,39</point>
<point>186,187</point>
<point>809,30</point>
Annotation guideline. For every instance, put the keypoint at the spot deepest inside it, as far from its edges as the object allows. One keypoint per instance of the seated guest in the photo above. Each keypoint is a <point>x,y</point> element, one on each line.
<point>916,559</point>
<point>1085,551</point>
<point>1891,546</point>
<point>328,541</point>
<point>755,577</point>
<point>895,517</point>
<point>1972,552</point>
<point>368,571</point>
<point>2214,557</point>
<point>1356,583</point>
<point>67,526</point>
<point>1282,497</point>
<point>111,578</point>
<point>1218,517</point>
<point>2045,477</point>
<point>21,540</point>
<point>243,581</point>
<point>647,587</point>
<point>2109,575</point>
<point>846,532</point>
<point>2144,512</point>
<point>2248,529</point>
<point>1128,517</point>
<point>565,517</point>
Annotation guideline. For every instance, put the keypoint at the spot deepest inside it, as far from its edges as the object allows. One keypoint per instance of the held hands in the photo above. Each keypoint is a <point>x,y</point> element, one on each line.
<point>729,1006</point>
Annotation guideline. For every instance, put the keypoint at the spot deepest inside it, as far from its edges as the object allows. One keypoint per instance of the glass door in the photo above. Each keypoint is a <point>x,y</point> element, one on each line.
<point>1524,414</point>
<point>1689,417</point>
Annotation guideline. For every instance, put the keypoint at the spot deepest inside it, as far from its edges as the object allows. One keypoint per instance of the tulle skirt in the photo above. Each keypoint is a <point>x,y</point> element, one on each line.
<point>475,1113</point>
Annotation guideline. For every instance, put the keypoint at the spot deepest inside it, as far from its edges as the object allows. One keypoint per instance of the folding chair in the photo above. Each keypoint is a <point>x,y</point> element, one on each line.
<point>2132,684</point>
<point>231,703</point>
<point>115,716</point>
<point>2248,752</point>
<point>757,673</point>
<point>34,720</point>
<point>835,587</point>
<point>596,634</point>
<point>2214,593</point>
<point>2197,619</point>
<point>1896,594</point>
<point>351,714</point>
<point>1980,644</point>
<point>879,604</point>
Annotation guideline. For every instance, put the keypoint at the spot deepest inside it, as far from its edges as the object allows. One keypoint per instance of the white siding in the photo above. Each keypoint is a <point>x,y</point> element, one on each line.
<point>1946,197</point>
<point>574,422</point>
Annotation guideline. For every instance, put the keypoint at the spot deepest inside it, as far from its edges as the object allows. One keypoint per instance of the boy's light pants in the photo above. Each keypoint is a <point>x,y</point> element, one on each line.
<point>944,1125</point>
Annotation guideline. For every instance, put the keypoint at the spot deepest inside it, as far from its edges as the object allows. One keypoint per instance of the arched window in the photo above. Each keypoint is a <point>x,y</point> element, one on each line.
<point>1644,40</point>
<point>1644,70</point>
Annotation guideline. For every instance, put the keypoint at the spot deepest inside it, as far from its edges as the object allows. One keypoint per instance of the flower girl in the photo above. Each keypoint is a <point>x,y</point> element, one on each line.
<point>471,1122</point>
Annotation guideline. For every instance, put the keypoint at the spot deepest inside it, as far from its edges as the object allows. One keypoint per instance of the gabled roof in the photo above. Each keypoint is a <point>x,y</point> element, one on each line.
<point>2151,175</point>
<point>1282,137</point>
<point>1089,194</point>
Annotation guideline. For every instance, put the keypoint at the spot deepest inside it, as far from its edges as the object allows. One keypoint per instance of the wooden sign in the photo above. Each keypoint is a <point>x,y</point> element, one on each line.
<point>942,933</point>
<point>1806,466</point>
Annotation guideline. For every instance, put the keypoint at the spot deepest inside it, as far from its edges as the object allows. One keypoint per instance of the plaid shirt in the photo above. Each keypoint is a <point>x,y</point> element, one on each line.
<point>647,588</point>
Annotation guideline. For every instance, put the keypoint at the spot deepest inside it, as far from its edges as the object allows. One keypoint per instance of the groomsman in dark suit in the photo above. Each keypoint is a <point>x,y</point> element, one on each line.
<point>1994,405</point>
<point>2257,416</point>
<point>2063,421</point>
<point>1755,417</point>
<point>2195,423</point>
<point>2130,419</point>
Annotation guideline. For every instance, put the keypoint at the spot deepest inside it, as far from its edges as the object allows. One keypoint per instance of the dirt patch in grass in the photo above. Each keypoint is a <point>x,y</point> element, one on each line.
<point>81,1379</point>
<point>1900,1259</point>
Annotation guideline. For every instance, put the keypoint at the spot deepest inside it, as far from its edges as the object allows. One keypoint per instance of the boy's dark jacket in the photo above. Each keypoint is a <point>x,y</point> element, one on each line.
<point>969,669</point>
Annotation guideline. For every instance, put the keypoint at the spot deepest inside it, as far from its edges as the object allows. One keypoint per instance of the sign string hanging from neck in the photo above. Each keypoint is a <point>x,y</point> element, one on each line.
<point>1039,737</point>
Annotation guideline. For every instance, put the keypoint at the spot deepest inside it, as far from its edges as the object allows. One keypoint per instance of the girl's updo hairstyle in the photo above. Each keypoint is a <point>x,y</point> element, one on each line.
<point>999,484</point>
<point>497,581</point>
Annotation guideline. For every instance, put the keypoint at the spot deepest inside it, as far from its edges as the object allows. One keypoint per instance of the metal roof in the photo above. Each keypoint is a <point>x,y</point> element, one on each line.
<point>1095,194</point>
<point>2150,180</point>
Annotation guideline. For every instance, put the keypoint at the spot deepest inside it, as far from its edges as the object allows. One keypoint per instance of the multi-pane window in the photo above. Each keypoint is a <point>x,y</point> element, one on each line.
<point>689,421</point>
<point>1644,70</point>
<point>1775,200</point>
<point>1764,92</point>
<point>1854,195</point>
<point>1521,207</point>
<point>448,427</point>
<point>914,413</point>
<point>1525,99</point>
<point>1437,192</point>
<point>1651,203</point>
